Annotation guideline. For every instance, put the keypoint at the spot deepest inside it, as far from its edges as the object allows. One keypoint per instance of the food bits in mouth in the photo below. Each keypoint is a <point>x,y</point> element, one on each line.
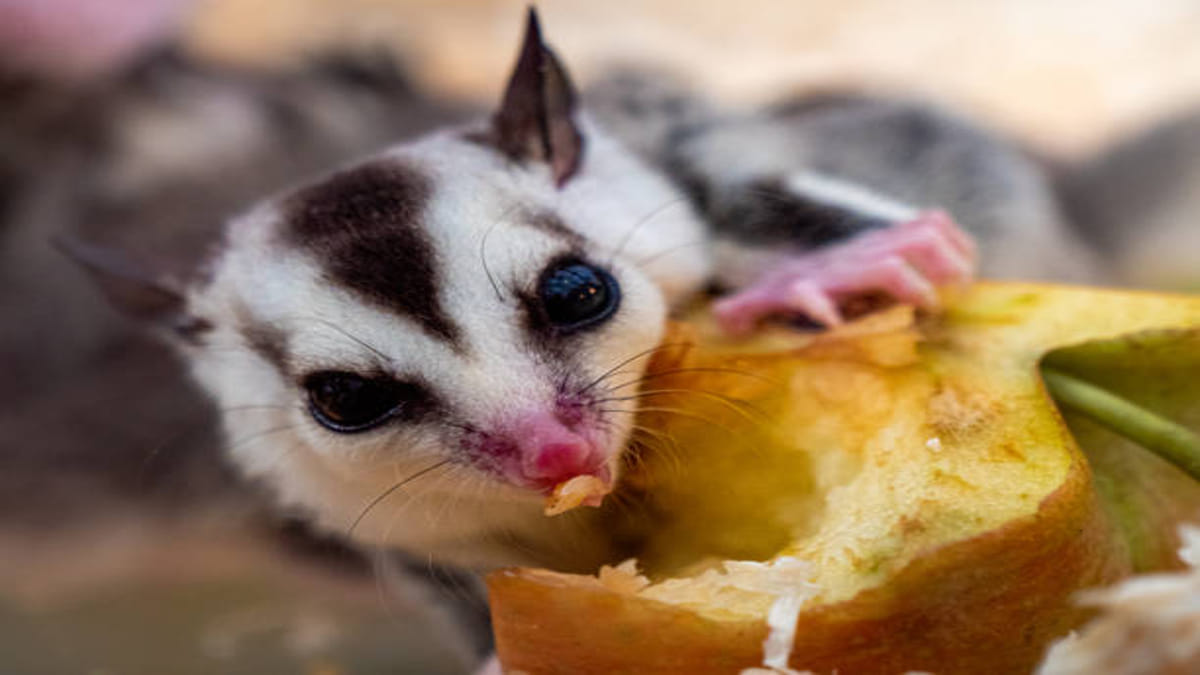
<point>580,490</point>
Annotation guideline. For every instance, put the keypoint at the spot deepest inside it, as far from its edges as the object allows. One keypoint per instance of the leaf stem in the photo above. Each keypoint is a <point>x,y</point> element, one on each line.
<point>1173,442</point>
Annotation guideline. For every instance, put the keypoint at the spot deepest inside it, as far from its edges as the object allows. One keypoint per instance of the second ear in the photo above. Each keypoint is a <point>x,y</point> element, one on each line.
<point>535,119</point>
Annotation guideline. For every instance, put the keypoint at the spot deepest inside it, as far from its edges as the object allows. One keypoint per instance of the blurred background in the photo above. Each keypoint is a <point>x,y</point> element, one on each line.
<point>1068,76</point>
<point>125,544</point>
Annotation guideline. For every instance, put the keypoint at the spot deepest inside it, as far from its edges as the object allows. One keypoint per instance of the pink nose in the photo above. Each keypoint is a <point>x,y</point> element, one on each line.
<point>550,453</point>
<point>556,462</point>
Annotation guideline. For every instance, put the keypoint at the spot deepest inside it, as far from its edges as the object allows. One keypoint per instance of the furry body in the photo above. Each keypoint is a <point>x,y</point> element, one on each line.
<point>676,198</point>
<point>420,267</point>
<point>1138,204</point>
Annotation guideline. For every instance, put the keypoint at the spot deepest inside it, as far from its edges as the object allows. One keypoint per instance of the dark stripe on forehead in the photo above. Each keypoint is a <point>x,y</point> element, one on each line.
<point>551,224</point>
<point>364,225</point>
<point>266,340</point>
<point>270,343</point>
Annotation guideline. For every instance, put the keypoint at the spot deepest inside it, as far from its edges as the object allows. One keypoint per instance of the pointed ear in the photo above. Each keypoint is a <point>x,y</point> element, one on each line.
<point>134,287</point>
<point>534,120</point>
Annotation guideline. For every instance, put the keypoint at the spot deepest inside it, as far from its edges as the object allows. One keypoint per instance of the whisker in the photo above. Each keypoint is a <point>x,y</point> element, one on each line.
<point>675,371</point>
<point>240,347</point>
<point>258,435</point>
<point>669,250</point>
<point>452,586</point>
<point>397,512</point>
<point>460,426</point>
<point>383,569</point>
<point>483,250</point>
<point>483,255</point>
<point>259,406</point>
<point>356,339</point>
<point>620,248</point>
<point>386,493</point>
<point>668,447</point>
<point>675,411</point>
<point>197,427</point>
<point>462,484</point>
<point>622,364</point>
<point>733,403</point>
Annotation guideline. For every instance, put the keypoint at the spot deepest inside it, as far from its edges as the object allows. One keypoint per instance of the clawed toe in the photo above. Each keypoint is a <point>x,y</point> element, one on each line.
<point>896,278</point>
<point>740,313</point>
<point>907,262</point>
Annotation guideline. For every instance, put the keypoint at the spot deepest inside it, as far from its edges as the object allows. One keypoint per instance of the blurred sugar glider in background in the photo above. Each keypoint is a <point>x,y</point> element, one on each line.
<point>832,161</point>
<point>1138,204</point>
<point>128,140</point>
<point>146,149</point>
<point>445,311</point>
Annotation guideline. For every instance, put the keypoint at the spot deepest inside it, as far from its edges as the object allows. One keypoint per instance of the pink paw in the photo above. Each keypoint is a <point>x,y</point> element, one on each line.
<point>906,262</point>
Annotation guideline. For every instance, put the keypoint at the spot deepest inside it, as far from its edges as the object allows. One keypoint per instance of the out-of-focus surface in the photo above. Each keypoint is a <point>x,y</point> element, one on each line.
<point>82,38</point>
<point>131,596</point>
<point>130,590</point>
<point>1066,75</point>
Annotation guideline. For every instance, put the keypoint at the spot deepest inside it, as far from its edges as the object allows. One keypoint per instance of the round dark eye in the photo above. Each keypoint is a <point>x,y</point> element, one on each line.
<point>576,295</point>
<point>346,402</point>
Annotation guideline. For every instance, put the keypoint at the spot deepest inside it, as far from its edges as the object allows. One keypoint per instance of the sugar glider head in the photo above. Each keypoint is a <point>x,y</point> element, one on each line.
<point>468,312</point>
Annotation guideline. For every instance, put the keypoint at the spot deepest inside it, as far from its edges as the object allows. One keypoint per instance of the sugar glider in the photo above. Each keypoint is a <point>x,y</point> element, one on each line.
<point>1138,203</point>
<point>415,347</point>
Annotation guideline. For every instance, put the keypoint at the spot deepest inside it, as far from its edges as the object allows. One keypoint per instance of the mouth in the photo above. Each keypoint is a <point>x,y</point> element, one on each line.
<point>548,475</point>
<point>563,491</point>
<point>567,462</point>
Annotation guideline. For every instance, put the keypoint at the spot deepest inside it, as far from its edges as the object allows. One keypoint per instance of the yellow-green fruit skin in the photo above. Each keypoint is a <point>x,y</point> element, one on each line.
<point>986,605</point>
<point>955,514</point>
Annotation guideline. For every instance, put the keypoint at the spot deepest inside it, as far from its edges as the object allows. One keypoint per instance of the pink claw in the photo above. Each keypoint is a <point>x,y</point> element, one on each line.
<point>946,225</point>
<point>808,298</point>
<point>906,261</point>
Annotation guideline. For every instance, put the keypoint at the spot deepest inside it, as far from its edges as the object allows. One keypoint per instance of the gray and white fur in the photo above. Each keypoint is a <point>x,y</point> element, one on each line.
<point>821,167</point>
<point>152,160</point>
<point>420,268</point>
<point>419,264</point>
<point>1138,204</point>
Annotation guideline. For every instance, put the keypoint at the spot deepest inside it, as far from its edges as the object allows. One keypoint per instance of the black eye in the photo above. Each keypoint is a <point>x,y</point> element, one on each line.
<point>576,295</point>
<point>346,402</point>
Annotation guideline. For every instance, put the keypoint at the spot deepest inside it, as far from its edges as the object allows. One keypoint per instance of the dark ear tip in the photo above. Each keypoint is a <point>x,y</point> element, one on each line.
<point>535,116</point>
<point>533,30</point>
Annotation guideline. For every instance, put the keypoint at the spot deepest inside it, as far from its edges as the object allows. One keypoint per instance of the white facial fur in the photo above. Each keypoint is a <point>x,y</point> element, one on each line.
<point>630,219</point>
